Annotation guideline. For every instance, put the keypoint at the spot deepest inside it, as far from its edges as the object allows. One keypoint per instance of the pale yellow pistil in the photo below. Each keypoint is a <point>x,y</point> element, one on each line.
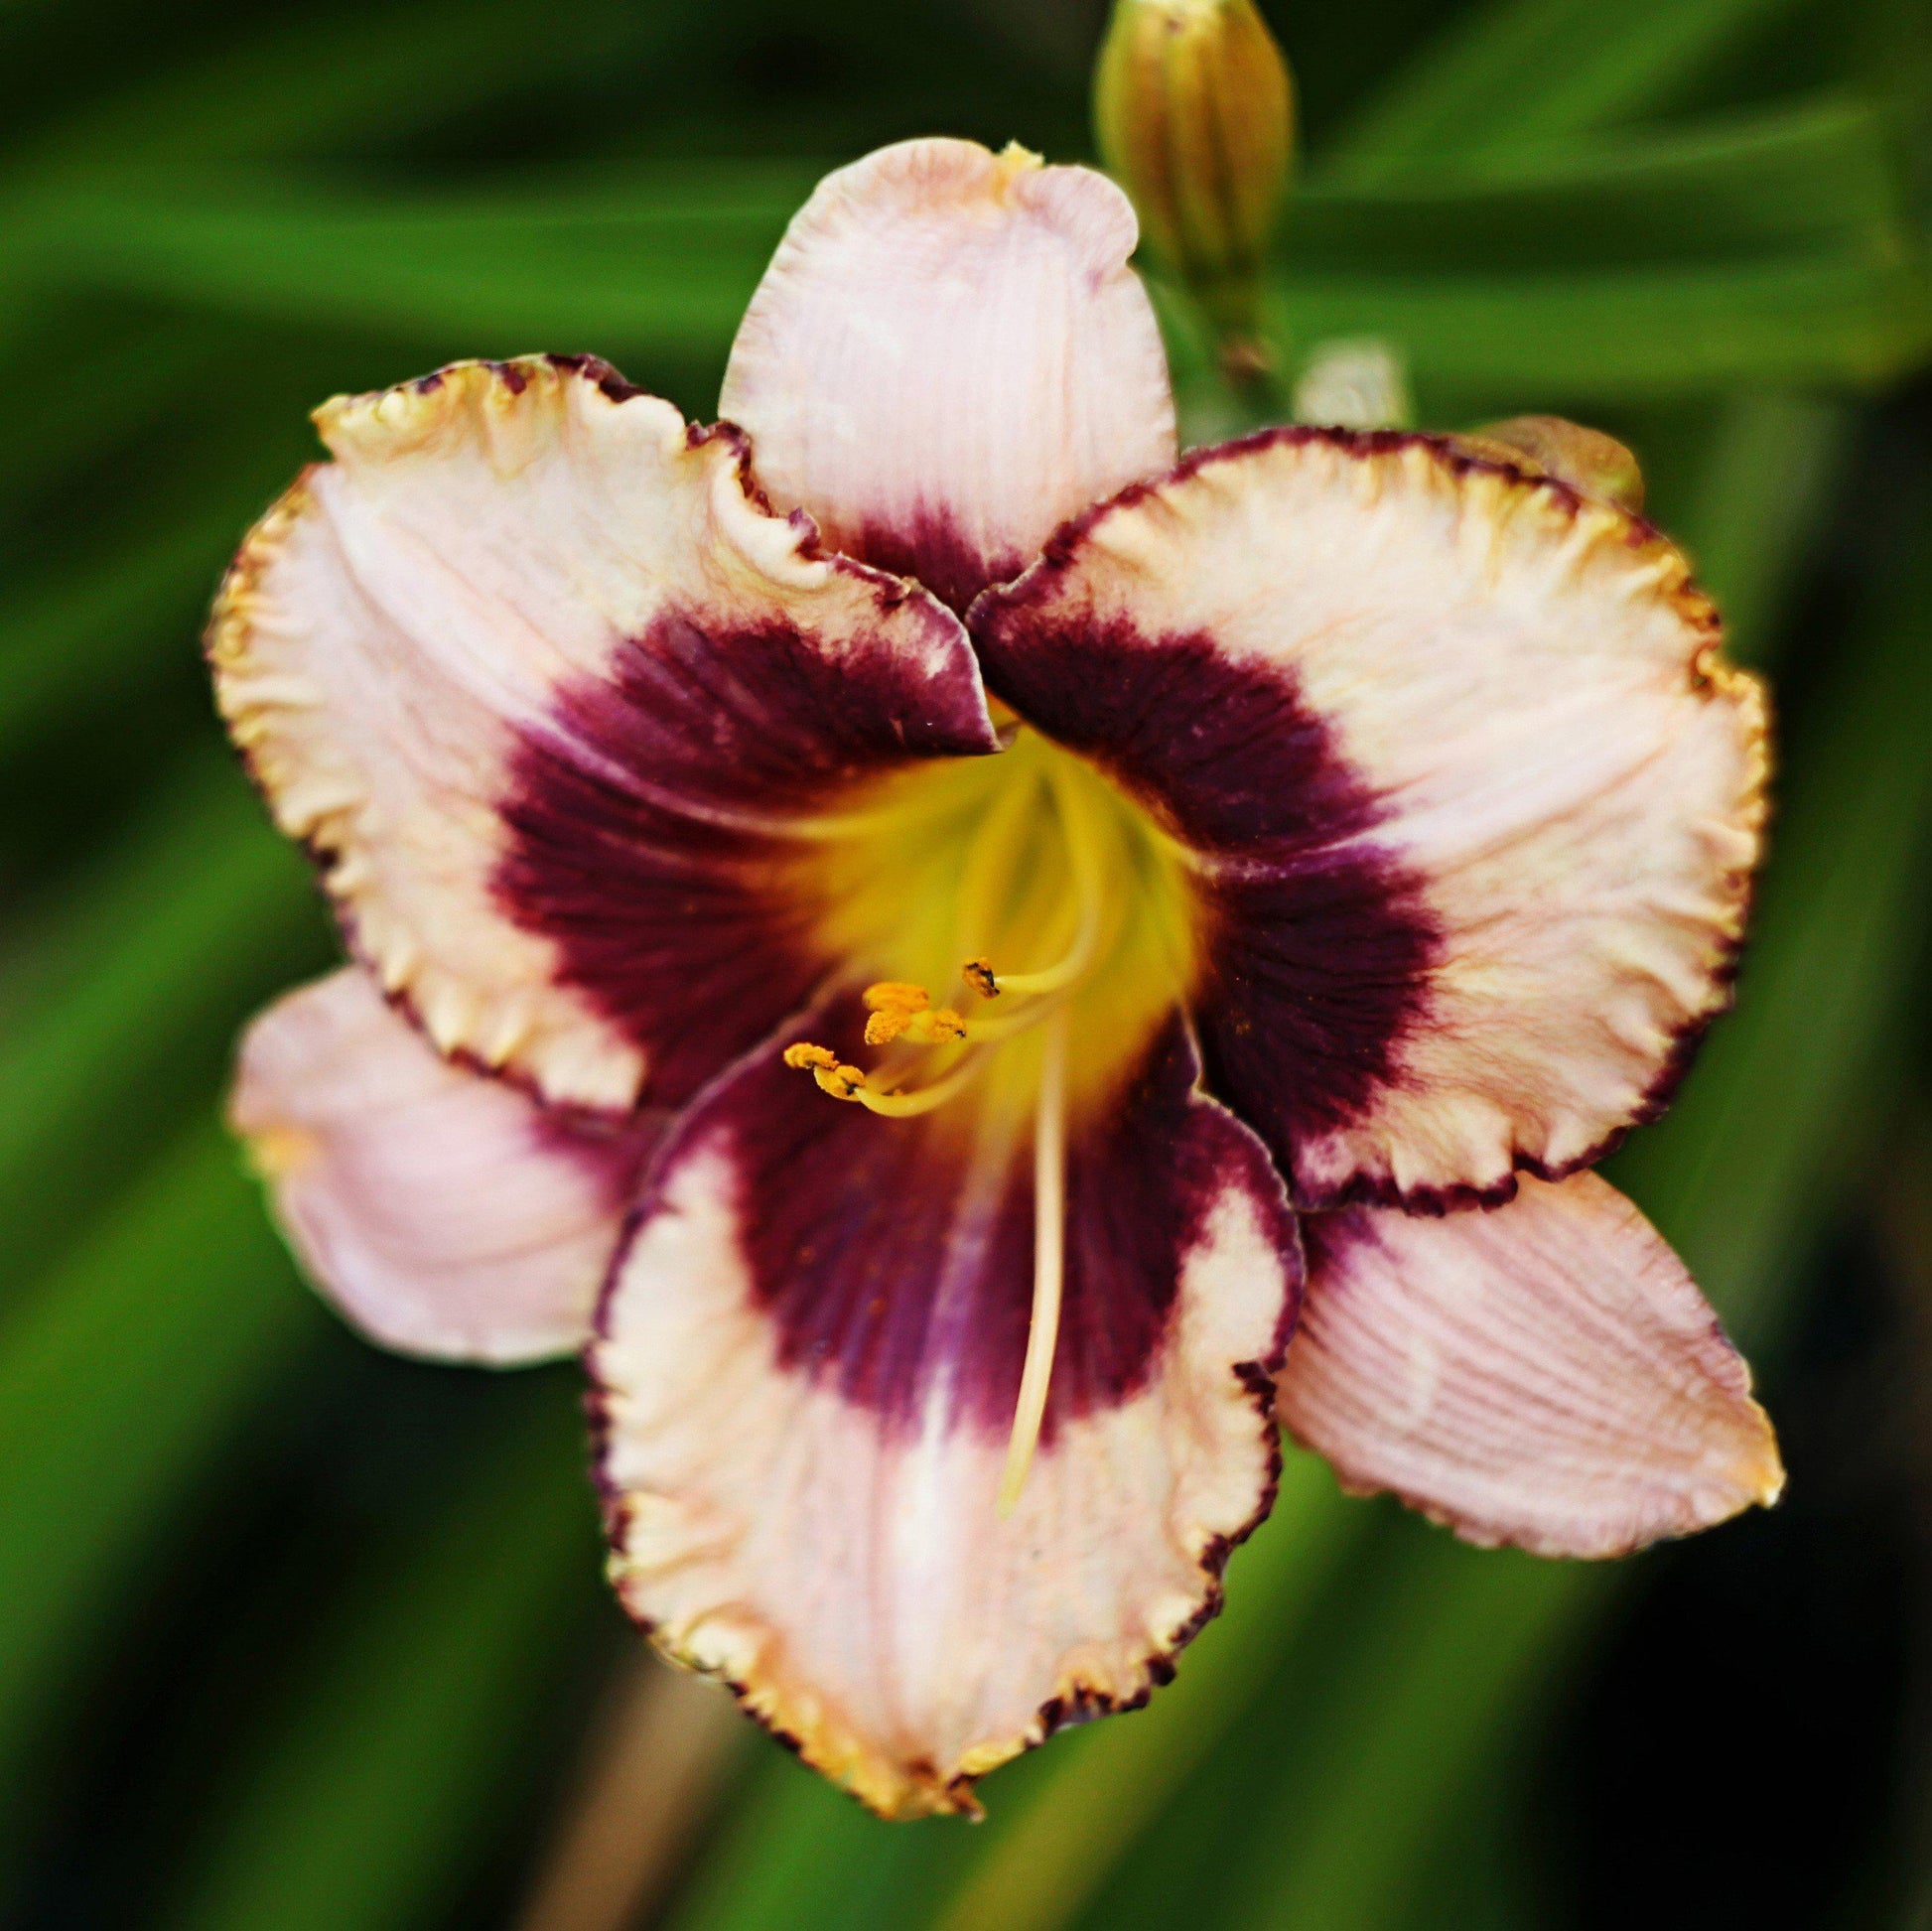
<point>997,877</point>
<point>1049,1263</point>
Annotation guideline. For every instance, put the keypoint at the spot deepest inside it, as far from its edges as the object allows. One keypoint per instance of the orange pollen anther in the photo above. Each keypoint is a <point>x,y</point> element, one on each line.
<point>934,1027</point>
<point>896,996</point>
<point>900,1009</point>
<point>840,1081</point>
<point>1082,915</point>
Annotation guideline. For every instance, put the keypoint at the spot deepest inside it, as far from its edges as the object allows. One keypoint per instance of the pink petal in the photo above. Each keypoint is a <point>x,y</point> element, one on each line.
<point>807,1369</point>
<point>540,682</point>
<point>445,1214</point>
<point>1474,799</point>
<point>949,356</point>
<point>1545,1375</point>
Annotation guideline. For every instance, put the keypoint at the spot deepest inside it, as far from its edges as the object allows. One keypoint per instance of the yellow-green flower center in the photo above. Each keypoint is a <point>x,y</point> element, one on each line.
<point>980,898</point>
<point>1022,927</point>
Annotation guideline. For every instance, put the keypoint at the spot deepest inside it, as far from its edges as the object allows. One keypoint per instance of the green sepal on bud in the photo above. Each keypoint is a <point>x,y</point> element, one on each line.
<point>1194,113</point>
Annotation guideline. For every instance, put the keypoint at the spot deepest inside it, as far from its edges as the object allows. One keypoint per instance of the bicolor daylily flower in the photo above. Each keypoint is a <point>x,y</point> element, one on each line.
<point>975,967</point>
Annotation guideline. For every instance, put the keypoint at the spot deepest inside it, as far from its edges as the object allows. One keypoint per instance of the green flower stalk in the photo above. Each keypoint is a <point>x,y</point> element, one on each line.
<point>1194,113</point>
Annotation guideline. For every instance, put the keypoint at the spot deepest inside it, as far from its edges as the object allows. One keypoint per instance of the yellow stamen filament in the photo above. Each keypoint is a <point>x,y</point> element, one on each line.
<point>988,871</point>
<point>987,1033</point>
<point>907,1106</point>
<point>900,1012</point>
<point>1047,868</point>
<point>1085,861</point>
<point>1050,1262</point>
<point>846,1082</point>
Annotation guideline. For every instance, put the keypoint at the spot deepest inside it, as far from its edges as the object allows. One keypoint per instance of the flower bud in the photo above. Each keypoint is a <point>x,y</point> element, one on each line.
<point>1193,109</point>
<point>1354,382</point>
<point>1586,459</point>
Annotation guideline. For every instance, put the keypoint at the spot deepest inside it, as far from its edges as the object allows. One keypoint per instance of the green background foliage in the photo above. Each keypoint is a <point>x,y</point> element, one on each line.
<point>294,1636</point>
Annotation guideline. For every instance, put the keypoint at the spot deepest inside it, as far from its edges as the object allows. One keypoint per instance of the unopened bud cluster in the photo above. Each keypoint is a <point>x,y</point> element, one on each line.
<point>1195,113</point>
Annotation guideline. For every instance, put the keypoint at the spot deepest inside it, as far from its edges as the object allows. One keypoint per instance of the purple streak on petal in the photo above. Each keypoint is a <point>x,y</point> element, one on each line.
<point>640,818</point>
<point>892,1270</point>
<point>612,1152</point>
<point>932,550</point>
<point>1329,1238</point>
<point>1318,944</point>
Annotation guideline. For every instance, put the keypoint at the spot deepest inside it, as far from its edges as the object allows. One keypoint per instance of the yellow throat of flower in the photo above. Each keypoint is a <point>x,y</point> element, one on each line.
<point>1037,926</point>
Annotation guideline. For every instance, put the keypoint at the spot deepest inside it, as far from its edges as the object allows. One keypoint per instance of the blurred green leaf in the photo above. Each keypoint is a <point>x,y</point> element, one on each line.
<point>1445,1655</point>
<point>1530,70</point>
<point>796,1851</point>
<point>65,650</point>
<point>1632,335</point>
<point>83,378</point>
<point>660,261</point>
<point>298,83</point>
<point>358,1803</point>
<point>1815,179</point>
<point>123,1373</point>
<point>1771,252</point>
<point>1774,463</point>
<point>1766,282</point>
<point>166,945</point>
